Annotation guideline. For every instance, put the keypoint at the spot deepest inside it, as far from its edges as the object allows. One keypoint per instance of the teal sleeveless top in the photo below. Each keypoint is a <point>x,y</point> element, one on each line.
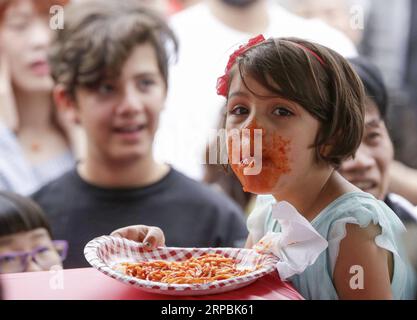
<point>316,282</point>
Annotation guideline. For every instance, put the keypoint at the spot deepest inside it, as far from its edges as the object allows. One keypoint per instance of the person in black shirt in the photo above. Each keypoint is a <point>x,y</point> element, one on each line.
<point>192,215</point>
<point>110,65</point>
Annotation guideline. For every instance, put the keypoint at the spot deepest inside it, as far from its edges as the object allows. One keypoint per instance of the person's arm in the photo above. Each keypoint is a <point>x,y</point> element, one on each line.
<point>362,269</point>
<point>8,113</point>
<point>403,181</point>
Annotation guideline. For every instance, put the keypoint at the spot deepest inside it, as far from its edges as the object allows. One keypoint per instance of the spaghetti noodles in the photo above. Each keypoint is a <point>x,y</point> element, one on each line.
<point>204,269</point>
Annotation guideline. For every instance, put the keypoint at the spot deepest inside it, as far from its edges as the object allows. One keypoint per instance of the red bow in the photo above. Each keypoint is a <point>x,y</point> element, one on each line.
<point>223,81</point>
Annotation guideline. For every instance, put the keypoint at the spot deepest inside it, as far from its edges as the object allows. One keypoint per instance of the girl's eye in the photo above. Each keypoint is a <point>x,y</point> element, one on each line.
<point>373,137</point>
<point>239,110</point>
<point>8,259</point>
<point>44,250</point>
<point>145,84</point>
<point>18,24</point>
<point>282,112</point>
<point>106,88</point>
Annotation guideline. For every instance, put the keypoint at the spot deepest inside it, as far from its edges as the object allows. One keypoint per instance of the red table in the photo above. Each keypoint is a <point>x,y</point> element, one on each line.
<point>90,284</point>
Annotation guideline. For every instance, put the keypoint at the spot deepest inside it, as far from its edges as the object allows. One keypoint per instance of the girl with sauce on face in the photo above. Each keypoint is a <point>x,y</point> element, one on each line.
<point>294,112</point>
<point>307,104</point>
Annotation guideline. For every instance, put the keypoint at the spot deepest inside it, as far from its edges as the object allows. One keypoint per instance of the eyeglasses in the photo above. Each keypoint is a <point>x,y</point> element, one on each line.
<point>44,256</point>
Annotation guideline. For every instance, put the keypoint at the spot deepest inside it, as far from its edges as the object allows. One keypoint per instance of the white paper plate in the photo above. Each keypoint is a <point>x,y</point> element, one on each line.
<point>106,252</point>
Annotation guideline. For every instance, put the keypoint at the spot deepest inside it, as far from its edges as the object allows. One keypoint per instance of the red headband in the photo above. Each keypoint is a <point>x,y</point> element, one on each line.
<point>223,81</point>
<point>311,51</point>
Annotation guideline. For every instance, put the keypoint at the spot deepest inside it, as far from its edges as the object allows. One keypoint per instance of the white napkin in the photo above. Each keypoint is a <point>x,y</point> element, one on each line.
<point>297,246</point>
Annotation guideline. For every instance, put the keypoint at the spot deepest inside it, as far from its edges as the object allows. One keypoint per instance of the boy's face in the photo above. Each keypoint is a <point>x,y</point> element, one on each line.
<point>121,116</point>
<point>369,170</point>
<point>287,130</point>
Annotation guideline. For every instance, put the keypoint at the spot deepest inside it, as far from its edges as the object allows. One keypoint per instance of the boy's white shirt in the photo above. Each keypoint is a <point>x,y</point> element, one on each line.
<point>193,107</point>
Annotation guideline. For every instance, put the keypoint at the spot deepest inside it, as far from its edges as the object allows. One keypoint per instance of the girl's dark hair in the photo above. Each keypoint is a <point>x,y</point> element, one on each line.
<point>99,36</point>
<point>20,214</point>
<point>321,81</point>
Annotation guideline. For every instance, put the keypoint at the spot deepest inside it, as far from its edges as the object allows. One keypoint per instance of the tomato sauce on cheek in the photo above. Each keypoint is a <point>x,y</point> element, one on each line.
<point>275,161</point>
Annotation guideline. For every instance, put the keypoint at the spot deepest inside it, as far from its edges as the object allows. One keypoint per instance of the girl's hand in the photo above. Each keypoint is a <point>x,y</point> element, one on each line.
<point>151,237</point>
<point>8,112</point>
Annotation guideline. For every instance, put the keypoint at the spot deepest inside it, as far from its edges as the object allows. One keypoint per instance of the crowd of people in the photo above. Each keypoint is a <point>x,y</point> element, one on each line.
<point>107,126</point>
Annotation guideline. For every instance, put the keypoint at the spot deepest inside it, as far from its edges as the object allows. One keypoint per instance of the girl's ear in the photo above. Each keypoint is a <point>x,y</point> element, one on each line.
<point>66,103</point>
<point>325,150</point>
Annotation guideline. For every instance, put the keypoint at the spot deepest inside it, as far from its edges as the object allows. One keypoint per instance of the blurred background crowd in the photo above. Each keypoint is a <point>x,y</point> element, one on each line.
<point>40,141</point>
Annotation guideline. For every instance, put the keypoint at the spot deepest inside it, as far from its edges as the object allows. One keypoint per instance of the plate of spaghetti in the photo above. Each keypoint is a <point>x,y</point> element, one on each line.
<point>177,271</point>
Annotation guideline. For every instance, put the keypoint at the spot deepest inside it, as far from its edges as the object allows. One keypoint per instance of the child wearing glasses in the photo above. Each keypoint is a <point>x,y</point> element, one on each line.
<point>26,243</point>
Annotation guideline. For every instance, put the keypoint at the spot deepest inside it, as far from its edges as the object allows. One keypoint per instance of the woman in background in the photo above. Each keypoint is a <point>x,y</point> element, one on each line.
<point>35,139</point>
